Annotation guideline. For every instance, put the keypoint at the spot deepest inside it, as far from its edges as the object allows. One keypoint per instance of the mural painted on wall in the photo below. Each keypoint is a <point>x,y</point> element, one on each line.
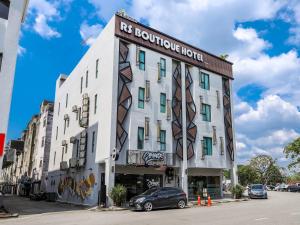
<point>82,188</point>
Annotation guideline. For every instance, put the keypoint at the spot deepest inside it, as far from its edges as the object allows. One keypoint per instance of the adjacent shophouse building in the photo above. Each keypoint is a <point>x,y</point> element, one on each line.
<point>12,14</point>
<point>141,109</point>
<point>26,159</point>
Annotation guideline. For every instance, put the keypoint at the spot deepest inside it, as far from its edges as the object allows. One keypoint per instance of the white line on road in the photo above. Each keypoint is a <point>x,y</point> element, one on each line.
<point>262,218</point>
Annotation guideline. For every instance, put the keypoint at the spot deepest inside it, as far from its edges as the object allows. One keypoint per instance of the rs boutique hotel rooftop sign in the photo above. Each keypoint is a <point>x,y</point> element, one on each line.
<point>159,41</point>
<point>147,37</point>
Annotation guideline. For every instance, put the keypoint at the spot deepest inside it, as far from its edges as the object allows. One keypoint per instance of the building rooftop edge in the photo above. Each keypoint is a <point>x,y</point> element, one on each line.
<point>169,36</point>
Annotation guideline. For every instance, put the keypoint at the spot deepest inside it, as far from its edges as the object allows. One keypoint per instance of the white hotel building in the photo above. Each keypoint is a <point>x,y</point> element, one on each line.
<point>141,108</point>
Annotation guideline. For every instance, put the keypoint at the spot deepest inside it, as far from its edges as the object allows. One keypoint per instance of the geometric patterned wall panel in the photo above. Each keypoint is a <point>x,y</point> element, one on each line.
<point>124,95</point>
<point>228,118</point>
<point>191,128</point>
<point>177,110</point>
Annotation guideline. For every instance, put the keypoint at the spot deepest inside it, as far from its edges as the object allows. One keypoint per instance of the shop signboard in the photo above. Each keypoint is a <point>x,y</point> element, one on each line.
<point>149,158</point>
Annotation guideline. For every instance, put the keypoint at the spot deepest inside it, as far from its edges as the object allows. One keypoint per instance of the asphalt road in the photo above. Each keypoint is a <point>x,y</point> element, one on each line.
<point>282,208</point>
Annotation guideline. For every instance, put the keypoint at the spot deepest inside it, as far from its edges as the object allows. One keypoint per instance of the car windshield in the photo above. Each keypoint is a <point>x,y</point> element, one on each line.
<point>257,187</point>
<point>150,191</point>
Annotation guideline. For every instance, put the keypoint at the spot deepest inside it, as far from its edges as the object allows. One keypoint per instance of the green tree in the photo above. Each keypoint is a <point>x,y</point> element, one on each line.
<point>295,178</point>
<point>262,165</point>
<point>275,175</point>
<point>224,56</point>
<point>247,175</point>
<point>292,151</point>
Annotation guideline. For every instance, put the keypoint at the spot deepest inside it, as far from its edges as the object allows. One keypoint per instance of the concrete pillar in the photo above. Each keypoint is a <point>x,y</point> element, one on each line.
<point>7,73</point>
<point>184,178</point>
<point>233,172</point>
<point>110,168</point>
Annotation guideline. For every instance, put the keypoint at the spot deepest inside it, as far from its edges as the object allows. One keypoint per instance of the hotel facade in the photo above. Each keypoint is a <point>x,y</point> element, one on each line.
<point>141,109</point>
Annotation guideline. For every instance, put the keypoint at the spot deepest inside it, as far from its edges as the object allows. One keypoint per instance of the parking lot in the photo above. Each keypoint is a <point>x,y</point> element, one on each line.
<point>282,208</point>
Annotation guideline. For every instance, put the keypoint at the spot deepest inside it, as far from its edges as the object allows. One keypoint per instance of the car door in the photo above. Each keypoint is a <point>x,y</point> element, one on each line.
<point>161,199</point>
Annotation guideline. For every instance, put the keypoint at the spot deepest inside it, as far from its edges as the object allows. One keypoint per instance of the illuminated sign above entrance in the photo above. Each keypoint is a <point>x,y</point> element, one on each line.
<point>159,41</point>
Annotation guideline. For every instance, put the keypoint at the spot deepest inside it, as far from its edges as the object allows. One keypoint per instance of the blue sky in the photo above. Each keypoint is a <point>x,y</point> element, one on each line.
<point>262,38</point>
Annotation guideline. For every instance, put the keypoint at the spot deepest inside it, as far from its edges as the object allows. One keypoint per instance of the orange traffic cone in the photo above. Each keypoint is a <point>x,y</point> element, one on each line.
<point>208,201</point>
<point>199,200</point>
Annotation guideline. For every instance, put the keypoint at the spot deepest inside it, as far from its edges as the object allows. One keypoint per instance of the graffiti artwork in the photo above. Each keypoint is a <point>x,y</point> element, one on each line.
<point>82,188</point>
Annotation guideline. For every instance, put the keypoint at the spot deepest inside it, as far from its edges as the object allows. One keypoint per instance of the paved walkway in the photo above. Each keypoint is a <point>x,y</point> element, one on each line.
<point>282,208</point>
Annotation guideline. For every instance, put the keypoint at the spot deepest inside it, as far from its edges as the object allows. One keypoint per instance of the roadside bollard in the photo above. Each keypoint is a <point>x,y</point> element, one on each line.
<point>199,200</point>
<point>208,201</point>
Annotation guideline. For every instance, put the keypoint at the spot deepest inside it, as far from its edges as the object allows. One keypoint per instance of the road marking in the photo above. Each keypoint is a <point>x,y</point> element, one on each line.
<point>262,218</point>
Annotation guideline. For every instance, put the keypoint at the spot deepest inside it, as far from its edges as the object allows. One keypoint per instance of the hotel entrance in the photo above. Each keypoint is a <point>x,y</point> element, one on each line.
<point>196,185</point>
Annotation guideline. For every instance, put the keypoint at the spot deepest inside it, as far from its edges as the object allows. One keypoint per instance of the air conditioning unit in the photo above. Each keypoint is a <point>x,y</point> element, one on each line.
<point>63,142</point>
<point>72,139</point>
<point>74,108</point>
<point>81,162</point>
<point>73,162</point>
<point>63,165</point>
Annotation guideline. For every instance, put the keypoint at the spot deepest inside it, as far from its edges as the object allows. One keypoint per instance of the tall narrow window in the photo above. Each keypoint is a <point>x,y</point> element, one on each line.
<point>163,67</point>
<point>162,141</point>
<point>66,148</point>
<point>147,120</point>
<point>95,104</point>
<point>58,111</point>
<point>77,148</point>
<point>206,112</point>
<point>65,126</point>
<point>140,138</point>
<point>4,9</point>
<point>67,99</point>
<point>1,56</point>
<point>81,84</point>
<point>87,79</point>
<point>56,133</point>
<point>97,67</point>
<point>44,121</point>
<point>54,158</point>
<point>204,81</point>
<point>43,141</point>
<point>207,145</point>
<point>93,141</point>
<point>163,102</point>
<point>141,99</point>
<point>142,60</point>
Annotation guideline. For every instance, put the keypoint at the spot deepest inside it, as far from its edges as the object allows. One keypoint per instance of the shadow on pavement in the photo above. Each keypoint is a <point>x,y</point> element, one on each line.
<point>24,206</point>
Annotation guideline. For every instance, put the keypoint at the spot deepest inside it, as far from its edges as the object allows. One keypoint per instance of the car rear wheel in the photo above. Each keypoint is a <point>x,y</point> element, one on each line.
<point>148,206</point>
<point>181,204</point>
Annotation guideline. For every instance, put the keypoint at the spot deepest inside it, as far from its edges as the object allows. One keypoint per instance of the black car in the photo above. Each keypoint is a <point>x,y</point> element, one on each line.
<point>293,188</point>
<point>257,191</point>
<point>155,198</point>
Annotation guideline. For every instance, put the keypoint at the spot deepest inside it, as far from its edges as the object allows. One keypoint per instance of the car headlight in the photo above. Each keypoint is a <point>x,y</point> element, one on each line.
<point>140,200</point>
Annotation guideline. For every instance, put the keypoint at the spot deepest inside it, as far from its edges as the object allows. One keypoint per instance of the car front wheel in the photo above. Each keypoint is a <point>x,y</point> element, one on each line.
<point>148,206</point>
<point>181,204</point>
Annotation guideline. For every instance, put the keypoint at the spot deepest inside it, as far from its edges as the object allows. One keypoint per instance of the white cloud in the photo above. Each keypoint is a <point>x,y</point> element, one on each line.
<point>268,72</point>
<point>89,33</point>
<point>204,23</point>
<point>42,28</point>
<point>267,128</point>
<point>250,45</point>
<point>21,50</point>
<point>45,12</point>
<point>272,113</point>
<point>106,9</point>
